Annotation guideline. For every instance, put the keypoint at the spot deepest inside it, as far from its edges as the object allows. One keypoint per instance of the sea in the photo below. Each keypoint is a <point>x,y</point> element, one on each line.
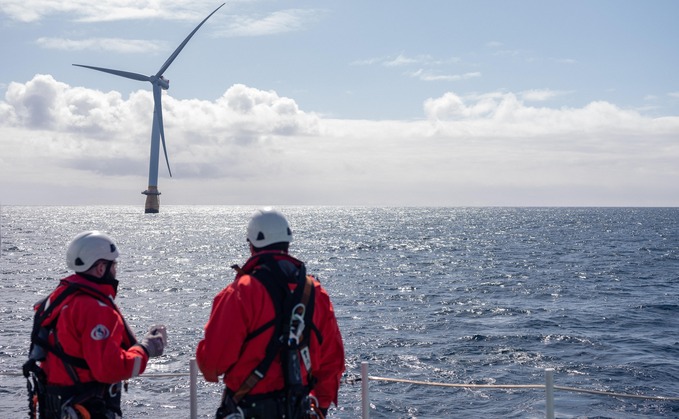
<point>437,295</point>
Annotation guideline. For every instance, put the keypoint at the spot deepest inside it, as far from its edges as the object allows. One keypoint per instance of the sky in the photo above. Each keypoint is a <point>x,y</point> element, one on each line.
<point>351,102</point>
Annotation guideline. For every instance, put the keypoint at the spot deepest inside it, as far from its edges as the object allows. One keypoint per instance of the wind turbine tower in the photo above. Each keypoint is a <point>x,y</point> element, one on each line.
<point>157,132</point>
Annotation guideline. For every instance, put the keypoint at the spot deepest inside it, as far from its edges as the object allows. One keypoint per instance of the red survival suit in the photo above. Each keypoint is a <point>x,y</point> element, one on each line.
<point>92,329</point>
<point>244,307</point>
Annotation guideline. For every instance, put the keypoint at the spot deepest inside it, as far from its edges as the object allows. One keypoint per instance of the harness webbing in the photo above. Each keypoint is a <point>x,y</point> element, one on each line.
<point>269,273</point>
<point>44,311</point>
<point>40,395</point>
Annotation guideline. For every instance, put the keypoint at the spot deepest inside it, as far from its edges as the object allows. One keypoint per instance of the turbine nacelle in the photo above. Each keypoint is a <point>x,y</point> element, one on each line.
<point>160,81</point>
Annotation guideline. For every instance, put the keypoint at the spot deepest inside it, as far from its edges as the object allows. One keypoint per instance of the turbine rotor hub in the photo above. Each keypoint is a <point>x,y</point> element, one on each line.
<point>161,81</point>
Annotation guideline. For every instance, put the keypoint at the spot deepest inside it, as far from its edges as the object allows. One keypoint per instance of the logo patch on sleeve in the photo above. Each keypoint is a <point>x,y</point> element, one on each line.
<point>100,332</point>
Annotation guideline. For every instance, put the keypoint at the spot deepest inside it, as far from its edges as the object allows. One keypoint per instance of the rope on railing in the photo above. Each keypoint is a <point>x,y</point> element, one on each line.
<point>435,384</point>
<point>608,393</point>
<point>365,378</point>
<point>429,383</point>
<point>522,386</point>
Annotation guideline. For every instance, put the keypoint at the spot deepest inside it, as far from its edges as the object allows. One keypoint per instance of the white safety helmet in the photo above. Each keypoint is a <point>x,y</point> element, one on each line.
<point>89,247</point>
<point>268,226</point>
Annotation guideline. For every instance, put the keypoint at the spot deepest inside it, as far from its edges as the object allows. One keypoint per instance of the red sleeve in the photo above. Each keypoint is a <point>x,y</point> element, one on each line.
<point>103,332</point>
<point>225,331</point>
<point>329,370</point>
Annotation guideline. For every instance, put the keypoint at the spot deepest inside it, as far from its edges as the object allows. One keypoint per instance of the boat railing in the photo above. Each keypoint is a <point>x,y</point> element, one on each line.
<point>365,379</point>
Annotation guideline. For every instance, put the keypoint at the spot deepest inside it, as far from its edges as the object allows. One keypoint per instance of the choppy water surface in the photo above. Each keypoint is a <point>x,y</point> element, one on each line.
<point>451,295</point>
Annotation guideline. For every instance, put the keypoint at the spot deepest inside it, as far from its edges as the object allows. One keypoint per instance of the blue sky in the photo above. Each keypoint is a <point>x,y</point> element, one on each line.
<point>347,102</point>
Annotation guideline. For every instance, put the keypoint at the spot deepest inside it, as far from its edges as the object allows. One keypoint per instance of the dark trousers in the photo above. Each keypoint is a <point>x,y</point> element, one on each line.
<point>265,406</point>
<point>100,401</point>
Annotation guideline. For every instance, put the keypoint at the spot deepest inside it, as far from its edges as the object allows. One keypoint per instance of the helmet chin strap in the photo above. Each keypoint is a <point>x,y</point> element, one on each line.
<point>107,274</point>
<point>107,278</point>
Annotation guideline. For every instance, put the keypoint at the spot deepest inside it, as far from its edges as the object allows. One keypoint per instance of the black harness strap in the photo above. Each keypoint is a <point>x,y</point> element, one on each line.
<point>45,311</point>
<point>272,277</point>
<point>44,400</point>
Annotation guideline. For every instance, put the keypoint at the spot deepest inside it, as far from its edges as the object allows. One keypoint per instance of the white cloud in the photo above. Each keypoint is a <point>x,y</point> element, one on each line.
<point>368,61</point>
<point>282,21</point>
<point>89,11</point>
<point>541,95</point>
<point>102,11</point>
<point>402,60</point>
<point>81,120</point>
<point>254,146</point>
<point>429,67</point>
<point>503,115</point>
<point>426,75</point>
<point>102,44</point>
<point>512,53</point>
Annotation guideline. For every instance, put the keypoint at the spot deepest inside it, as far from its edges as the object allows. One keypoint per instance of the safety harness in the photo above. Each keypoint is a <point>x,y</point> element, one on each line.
<point>292,325</point>
<point>46,400</point>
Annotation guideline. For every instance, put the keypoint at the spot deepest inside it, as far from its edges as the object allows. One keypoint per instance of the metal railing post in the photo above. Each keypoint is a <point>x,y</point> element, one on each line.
<point>193,380</point>
<point>549,393</point>
<point>365,398</point>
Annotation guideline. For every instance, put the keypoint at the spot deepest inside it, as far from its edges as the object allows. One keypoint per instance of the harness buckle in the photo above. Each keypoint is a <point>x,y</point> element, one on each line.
<point>296,324</point>
<point>236,415</point>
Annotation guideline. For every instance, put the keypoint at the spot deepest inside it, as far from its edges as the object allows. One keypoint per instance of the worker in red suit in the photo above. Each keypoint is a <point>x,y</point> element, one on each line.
<point>81,347</point>
<point>276,360</point>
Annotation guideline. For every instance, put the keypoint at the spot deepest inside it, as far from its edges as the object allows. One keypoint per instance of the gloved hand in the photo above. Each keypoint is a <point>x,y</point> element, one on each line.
<point>155,340</point>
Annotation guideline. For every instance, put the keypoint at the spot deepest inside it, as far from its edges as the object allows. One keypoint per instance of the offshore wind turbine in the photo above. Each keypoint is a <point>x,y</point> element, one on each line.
<point>157,132</point>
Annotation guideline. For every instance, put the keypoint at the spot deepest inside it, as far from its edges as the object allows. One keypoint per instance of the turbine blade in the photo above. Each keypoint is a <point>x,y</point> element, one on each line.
<point>158,109</point>
<point>126,74</point>
<point>180,47</point>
